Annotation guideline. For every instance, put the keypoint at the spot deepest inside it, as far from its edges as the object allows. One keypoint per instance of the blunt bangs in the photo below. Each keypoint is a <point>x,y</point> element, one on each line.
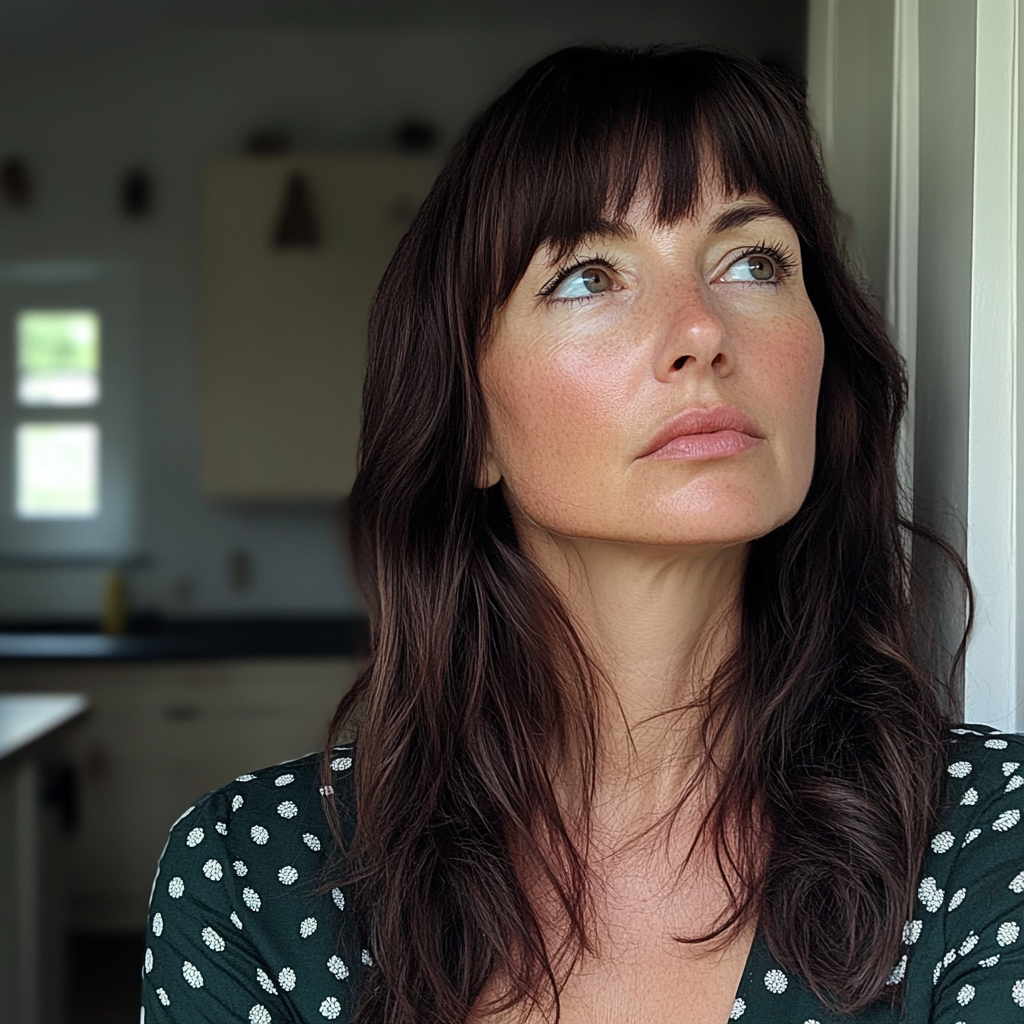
<point>572,144</point>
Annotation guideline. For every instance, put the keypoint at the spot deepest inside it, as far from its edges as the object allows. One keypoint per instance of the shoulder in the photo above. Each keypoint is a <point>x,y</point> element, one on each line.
<point>965,940</point>
<point>246,916</point>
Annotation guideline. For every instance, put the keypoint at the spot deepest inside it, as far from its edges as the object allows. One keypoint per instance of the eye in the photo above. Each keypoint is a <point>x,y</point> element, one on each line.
<point>582,282</point>
<point>755,267</point>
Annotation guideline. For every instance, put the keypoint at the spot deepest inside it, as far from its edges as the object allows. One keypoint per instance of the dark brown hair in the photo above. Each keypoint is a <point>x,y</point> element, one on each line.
<point>478,689</point>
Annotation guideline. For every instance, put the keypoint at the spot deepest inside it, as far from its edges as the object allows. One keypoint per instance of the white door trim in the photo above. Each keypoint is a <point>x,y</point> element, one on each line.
<point>990,693</point>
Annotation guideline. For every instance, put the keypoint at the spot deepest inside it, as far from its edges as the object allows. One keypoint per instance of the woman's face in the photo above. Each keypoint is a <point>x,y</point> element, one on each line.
<point>659,385</point>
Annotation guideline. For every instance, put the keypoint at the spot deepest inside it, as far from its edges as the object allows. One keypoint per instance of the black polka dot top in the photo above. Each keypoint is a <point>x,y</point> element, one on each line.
<point>242,930</point>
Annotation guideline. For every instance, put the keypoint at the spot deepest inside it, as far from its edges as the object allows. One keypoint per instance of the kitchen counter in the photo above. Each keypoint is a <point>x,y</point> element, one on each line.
<point>191,640</point>
<point>28,717</point>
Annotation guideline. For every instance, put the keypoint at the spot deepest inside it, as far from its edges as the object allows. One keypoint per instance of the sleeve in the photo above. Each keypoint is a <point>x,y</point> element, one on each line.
<point>980,977</point>
<point>201,962</point>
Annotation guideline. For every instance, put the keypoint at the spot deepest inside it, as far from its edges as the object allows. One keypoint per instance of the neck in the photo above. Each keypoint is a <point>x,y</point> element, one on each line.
<point>657,624</point>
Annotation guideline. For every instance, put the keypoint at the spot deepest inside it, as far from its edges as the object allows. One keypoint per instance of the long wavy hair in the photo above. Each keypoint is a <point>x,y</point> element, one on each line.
<point>823,733</point>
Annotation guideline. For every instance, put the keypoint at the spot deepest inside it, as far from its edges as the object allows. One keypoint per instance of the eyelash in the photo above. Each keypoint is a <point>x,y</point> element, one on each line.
<point>784,261</point>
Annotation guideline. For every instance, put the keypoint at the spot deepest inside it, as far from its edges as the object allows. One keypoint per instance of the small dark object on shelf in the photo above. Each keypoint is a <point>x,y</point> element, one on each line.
<point>268,142</point>
<point>415,136</point>
<point>16,181</point>
<point>297,225</point>
<point>137,193</point>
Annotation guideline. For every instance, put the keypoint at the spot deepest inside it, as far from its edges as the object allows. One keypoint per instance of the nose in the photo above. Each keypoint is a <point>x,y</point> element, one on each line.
<point>695,338</point>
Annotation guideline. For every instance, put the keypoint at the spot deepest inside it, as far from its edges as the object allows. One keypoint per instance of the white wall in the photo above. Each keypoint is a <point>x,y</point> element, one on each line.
<point>82,114</point>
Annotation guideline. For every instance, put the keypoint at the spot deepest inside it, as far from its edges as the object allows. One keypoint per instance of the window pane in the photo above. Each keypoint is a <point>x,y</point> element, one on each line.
<point>58,356</point>
<point>57,474</point>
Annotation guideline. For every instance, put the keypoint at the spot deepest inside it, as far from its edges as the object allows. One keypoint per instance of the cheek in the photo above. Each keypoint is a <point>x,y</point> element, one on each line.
<point>556,418</point>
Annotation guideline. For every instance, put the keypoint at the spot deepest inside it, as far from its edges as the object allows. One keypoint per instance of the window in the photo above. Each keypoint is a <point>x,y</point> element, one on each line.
<point>67,480</point>
<point>56,463</point>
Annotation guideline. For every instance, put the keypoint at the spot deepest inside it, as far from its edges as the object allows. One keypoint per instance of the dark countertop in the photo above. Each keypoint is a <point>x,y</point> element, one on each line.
<point>189,639</point>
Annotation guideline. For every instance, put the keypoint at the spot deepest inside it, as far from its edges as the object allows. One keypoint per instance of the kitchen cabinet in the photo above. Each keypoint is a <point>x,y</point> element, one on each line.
<point>158,737</point>
<point>284,326</point>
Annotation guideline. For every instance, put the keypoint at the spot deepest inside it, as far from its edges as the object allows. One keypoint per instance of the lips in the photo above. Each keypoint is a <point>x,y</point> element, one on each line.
<point>704,433</point>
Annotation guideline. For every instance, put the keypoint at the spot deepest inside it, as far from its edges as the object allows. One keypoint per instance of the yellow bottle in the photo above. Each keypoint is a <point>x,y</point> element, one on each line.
<point>115,604</point>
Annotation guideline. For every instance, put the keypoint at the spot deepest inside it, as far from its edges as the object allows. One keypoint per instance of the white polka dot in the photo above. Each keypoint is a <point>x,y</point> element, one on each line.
<point>936,973</point>
<point>287,875</point>
<point>265,982</point>
<point>149,960</point>
<point>965,995</point>
<point>1006,821</point>
<point>236,801</point>
<point>213,940</point>
<point>930,894</point>
<point>337,967</point>
<point>221,828</point>
<point>191,974</point>
<point>245,778</point>
<point>175,888</point>
<point>943,842</point>
<point>989,961</point>
<point>252,899</point>
<point>1017,992</point>
<point>1007,933</point>
<point>776,982</point>
<point>213,871</point>
<point>240,869</point>
<point>341,764</point>
<point>311,841</point>
<point>960,769</point>
<point>286,979</point>
<point>739,1007</point>
<point>995,744</point>
<point>259,1015</point>
<point>259,835</point>
<point>287,809</point>
<point>330,1008</point>
<point>158,924</point>
<point>897,972</point>
<point>1015,783</point>
<point>1009,767</point>
<point>971,836</point>
<point>284,780</point>
<point>949,958</point>
<point>165,1000</point>
<point>368,961</point>
<point>195,837</point>
<point>968,944</point>
<point>812,1021</point>
<point>236,920</point>
<point>339,898</point>
<point>326,790</point>
<point>1017,884</point>
<point>912,932</point>
<point>957,898</point>
<point>970,798</point>
<point>307,927</point>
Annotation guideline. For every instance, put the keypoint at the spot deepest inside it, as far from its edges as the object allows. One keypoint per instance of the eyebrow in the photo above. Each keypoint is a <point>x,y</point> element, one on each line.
<point>737,216</point>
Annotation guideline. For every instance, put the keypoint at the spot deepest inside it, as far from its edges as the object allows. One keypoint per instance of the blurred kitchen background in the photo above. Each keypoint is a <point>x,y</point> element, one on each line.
<point>197,198</point>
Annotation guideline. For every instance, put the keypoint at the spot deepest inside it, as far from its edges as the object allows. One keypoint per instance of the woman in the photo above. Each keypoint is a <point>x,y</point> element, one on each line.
<point>643,736</point>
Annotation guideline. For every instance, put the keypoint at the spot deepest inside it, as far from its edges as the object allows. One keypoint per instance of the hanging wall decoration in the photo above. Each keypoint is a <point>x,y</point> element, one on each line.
<point>297,225</point>
<point>17,184</point>
<point>136,193</point>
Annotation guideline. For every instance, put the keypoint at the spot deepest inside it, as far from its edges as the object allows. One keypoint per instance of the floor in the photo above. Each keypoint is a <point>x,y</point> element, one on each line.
<point>104,978</point>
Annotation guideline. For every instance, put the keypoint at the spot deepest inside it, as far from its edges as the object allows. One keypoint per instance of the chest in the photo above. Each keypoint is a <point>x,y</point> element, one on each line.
<point>637,972</point>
